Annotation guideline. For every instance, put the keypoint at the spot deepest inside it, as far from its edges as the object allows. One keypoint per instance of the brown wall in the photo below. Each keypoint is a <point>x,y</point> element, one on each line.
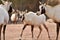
<point>31,5</point>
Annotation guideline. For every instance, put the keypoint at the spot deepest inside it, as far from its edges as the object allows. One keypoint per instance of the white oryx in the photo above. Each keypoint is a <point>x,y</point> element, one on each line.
<point>14,16</point>
<point>33,20</point>
<point>53,13</point>
<point>4,16</point>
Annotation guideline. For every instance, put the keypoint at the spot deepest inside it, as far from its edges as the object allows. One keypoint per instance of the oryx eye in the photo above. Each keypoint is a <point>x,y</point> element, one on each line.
<point>42,7</point>
<point>20,16</point>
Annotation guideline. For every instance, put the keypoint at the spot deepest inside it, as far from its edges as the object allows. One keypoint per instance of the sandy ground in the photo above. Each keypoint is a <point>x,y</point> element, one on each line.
<point>13,32</point>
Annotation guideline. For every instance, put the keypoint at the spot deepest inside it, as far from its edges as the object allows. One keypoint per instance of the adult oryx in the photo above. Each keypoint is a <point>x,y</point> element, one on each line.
<point>4,16</point>
<point>53,13</point>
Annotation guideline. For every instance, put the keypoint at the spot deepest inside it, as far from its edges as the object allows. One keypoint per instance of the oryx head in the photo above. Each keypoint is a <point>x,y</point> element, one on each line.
<point>7,5</point>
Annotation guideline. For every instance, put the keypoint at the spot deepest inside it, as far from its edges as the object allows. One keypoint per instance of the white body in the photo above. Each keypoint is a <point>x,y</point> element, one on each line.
<point>57,13</point>
<point>4,17</point>
<point>33,19</point>
<point>53,12</point>
<point>14,17</point>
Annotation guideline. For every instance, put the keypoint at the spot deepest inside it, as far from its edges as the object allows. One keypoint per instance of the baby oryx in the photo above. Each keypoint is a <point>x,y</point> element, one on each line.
<point>4,16</point>
<point>33,19</point>
<point>14,16</point>
<point>53,13</point>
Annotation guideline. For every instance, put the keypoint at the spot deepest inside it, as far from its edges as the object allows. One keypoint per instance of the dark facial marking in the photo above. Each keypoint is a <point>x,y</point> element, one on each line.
<point>23,18</point>
<point>42,10</point>
<point>10,10</point>
<point>20,17</point>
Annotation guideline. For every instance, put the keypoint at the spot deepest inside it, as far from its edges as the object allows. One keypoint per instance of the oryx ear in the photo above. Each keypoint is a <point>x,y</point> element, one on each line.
<point>3,1</point>
<point>40,2</point>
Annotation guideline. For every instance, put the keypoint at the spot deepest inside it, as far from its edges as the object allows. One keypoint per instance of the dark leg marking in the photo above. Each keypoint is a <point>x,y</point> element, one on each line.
<point>0,30</point>
<point>4,32</point>
<point>23,30</point>
<point>57,31</point>
<point>39,32</point>
<point>32,27</point>
<point>47,31</point>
